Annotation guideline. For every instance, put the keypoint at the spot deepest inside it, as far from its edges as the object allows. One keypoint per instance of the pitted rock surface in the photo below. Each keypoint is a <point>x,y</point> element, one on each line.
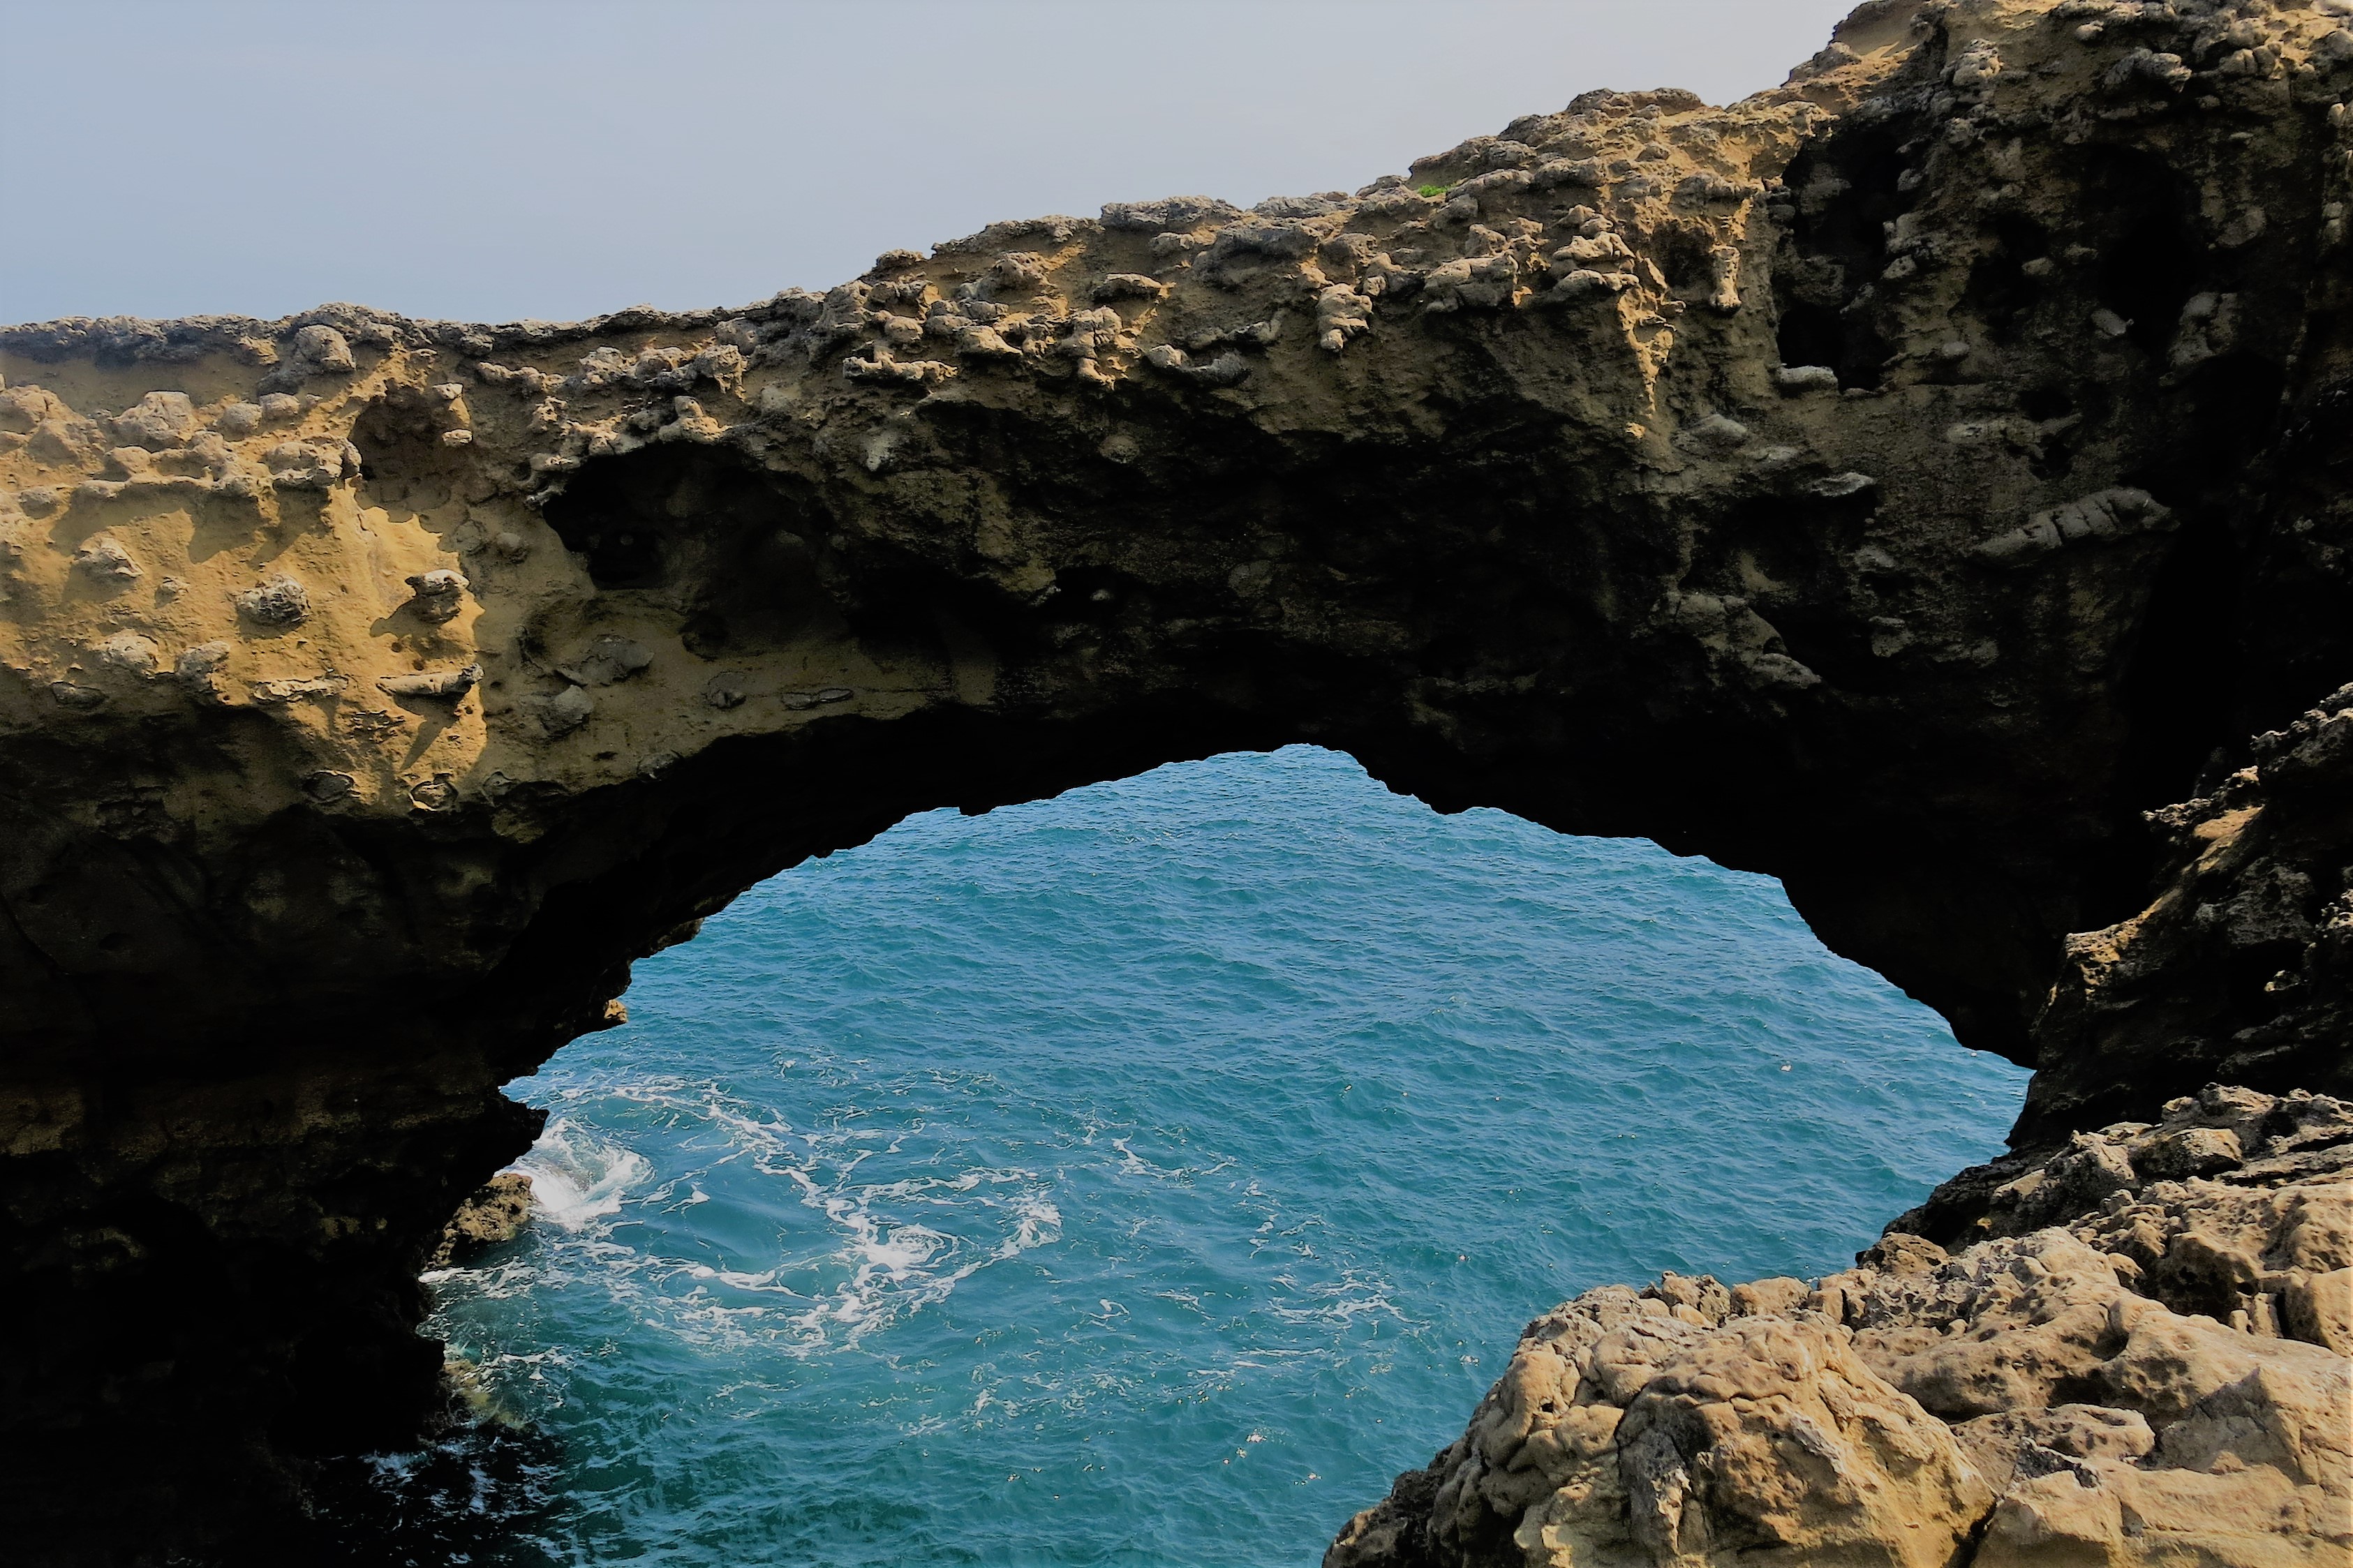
<point>497,1213</point>
<point>2153,1372</point>
<point>1903,482</point>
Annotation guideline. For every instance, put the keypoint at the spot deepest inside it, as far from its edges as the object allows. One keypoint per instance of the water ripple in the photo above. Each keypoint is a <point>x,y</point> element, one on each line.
<point>1144,1176</point>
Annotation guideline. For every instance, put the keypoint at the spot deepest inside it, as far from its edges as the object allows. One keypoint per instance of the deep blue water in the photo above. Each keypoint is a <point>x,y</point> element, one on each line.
<point>1144,1176</point>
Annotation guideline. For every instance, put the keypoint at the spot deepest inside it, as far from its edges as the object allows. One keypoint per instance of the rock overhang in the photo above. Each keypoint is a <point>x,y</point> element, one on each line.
<point>1896,482</point>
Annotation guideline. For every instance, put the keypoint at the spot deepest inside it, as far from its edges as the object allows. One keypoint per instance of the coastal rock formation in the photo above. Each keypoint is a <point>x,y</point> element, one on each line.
<point>2243,961</point>
<point>1900,482</point>
<point>2151,1365</point>
<point>497,1213</point>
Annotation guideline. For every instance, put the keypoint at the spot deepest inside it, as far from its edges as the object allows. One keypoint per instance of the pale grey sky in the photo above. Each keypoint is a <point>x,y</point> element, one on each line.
<point>495,159</point>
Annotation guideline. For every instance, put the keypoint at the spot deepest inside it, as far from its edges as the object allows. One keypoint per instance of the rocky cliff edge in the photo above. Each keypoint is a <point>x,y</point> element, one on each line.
<point>1902,482</point>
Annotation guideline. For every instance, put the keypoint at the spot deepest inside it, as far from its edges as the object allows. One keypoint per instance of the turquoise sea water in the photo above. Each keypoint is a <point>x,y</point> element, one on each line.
<point>1145,1176</point>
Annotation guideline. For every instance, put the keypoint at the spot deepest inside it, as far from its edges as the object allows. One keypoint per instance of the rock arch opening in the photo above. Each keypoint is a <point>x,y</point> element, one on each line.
<point>1210,1122</point>
<point>355,739</point>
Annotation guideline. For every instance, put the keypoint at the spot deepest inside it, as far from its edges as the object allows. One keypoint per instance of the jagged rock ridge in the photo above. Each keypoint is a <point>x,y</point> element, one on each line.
<point>1898,482</point>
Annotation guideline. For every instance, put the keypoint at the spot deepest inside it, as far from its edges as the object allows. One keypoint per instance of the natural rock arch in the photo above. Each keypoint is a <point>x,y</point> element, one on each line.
<point>1896,483</point>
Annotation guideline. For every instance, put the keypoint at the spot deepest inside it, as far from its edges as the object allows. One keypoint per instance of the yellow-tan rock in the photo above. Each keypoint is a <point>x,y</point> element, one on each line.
<point>2021,1402</point>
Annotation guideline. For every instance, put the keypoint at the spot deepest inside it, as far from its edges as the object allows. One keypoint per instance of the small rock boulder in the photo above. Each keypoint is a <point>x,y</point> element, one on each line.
<point>498,1212</point>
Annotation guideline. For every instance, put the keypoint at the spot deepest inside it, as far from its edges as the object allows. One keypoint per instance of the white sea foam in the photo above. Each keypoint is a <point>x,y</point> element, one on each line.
<point>884,1263</point>
<point>577,1179</point>
<point>897,1269</point>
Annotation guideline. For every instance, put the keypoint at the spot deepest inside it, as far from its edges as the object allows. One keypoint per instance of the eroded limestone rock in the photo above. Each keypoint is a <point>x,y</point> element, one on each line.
<point>496,1213</point>
<point>2053,1395</point>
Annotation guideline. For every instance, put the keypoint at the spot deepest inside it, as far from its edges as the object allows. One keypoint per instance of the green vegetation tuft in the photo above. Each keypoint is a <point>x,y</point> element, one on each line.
<point>1433,190</point>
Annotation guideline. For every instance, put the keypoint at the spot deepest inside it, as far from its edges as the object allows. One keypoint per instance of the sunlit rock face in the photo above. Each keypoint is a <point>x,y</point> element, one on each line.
<point>1898,482</point>
<point>2144,1360</point>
